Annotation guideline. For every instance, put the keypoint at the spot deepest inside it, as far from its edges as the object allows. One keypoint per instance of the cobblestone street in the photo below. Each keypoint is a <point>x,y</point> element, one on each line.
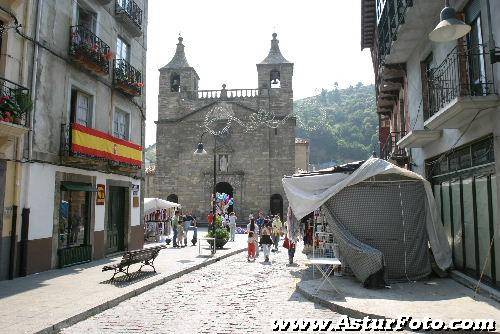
<point>231,296</point>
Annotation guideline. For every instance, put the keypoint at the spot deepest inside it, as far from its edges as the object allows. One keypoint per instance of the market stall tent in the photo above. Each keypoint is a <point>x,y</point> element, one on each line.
<point>153,204</point>
<point>383,218</point>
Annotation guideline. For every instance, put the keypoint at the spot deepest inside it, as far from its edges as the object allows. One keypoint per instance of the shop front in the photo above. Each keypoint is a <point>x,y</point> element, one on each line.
<point>75,216</point>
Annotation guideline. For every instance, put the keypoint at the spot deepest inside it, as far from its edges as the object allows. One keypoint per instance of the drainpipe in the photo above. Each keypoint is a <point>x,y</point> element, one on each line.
<point>27,198</point>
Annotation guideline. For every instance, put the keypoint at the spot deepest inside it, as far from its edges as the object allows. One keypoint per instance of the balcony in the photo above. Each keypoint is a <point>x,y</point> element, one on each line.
<point>390,151</point>
<point>402,24</point>
<point>418,138</point>
<point>15,106</point>
<point>90,148</point>
<point>130,15</point>
<point>89,51</point>
<point>127,79</point>
<point>459,87</point>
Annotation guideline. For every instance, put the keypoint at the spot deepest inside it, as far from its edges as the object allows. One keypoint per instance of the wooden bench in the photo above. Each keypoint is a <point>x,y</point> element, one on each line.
<point>145,256</point>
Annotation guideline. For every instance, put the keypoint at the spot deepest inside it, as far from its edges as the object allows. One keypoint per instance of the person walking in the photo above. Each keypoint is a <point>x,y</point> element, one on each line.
<point>232,225</point>
<point>266,242</point>
<point>210,218</point>
<point>180,232</point>
<point>277,231</point>
<point>253,227</point>
<point>175,223</point>
<point>251,246</point>
<point>291,251</point>
<point>186,227</point>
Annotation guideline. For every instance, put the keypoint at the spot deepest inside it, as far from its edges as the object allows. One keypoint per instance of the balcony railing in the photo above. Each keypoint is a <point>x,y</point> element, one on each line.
<point>392,17</point>
<point>131,10</point>
<point>127,78</point>
<point>15,102</point>
<point>89,50</point>
<point>391,151</point>
<point>464,72</point>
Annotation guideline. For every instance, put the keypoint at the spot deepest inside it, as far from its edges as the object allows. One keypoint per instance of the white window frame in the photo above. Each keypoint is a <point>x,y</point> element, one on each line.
<point>118,110</point>
<point>89,7</point>
<point>127,44</point>
<point>75,85</point>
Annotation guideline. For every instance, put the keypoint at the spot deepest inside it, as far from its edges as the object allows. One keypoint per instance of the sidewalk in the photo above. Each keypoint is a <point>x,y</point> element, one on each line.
<point>436,298</point>
<point>49,300</point>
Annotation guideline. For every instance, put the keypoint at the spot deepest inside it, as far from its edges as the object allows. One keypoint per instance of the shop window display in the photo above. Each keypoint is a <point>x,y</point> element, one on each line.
<point>73,219</point>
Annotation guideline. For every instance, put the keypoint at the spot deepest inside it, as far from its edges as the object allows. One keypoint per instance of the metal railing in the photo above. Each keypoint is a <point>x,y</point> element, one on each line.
<point>131,10</point>
<point>392,17</point>
<point>15,102</point>
<point>127,78</point>
<point>464,72</point>
<point>390,149</point>
<point>89,50</point>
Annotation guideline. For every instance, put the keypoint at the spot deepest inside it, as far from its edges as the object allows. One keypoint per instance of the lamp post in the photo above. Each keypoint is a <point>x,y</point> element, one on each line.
<point>201,151</point>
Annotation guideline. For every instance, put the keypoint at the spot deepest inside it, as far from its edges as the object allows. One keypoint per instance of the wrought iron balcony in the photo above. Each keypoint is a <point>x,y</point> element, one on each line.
<point>390,16</point>
<point>88,50</point>
<point>15,103</point>
<point>466,71</point>
<point>127,79</point>
<point>130,14</point>
<point>391,151</point>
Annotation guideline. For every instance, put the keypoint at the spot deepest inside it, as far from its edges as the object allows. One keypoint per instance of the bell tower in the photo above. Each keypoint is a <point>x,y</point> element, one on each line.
<point>177,79</point>
<point>275,71</point>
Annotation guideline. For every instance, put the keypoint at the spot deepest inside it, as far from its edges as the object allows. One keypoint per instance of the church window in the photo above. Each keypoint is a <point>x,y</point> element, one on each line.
<point>275,79</point>
<point>175,82</point>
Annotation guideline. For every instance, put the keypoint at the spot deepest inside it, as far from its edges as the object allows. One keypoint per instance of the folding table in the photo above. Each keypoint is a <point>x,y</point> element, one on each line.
<point>331,264</point>
<point>207,239</point>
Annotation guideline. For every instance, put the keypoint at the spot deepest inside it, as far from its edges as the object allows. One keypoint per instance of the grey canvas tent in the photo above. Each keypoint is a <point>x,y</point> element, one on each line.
<point>383,218</point>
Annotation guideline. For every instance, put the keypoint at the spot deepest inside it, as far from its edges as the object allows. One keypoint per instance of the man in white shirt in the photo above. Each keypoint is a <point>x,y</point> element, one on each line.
<point>232,225</point>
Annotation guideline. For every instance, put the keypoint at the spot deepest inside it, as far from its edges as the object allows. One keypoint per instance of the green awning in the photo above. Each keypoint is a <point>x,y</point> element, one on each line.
<point>76,186</point>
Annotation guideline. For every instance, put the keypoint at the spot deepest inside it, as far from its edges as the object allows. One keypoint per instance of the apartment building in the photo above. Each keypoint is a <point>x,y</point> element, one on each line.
<point>80,183</point>
<point>439,113</point>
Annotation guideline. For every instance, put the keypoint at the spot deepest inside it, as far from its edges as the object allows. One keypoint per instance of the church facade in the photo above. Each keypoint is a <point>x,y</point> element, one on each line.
<point>250,161</point>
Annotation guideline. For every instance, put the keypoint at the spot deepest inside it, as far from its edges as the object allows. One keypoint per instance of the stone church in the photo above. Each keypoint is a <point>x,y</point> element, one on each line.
<point>250,163</point>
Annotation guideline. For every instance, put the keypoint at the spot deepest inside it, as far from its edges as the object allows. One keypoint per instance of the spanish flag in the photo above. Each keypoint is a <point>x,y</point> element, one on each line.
<point>98,144</point>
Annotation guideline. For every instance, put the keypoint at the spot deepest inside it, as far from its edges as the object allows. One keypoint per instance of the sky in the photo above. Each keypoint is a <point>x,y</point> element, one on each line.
<point>224,39</point>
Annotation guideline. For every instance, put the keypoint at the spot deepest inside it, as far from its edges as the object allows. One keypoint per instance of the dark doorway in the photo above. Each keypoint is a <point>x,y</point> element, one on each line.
<point>276,205</point>
<point>224,187</point>
<point>116,220</point>
<point>173,198</point>
<point>4,241</point>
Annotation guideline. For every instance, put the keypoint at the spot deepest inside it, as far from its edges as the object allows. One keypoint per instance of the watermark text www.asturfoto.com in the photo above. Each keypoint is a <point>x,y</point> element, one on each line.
<point>345,323</point>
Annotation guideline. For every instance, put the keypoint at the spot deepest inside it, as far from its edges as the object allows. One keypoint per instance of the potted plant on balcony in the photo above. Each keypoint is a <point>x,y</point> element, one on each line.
<point>9,109</point>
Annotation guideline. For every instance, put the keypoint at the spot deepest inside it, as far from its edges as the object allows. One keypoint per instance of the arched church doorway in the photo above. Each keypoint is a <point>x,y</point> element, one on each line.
<point>224,187</point>
<point>173,198</point>
<point>276,205</point>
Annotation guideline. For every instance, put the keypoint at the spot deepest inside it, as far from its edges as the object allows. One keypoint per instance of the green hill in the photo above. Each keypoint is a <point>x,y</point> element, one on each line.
<point>341,124</point>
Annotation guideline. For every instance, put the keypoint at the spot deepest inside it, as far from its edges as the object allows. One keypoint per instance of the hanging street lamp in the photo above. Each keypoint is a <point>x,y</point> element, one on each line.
<point>449,28</point>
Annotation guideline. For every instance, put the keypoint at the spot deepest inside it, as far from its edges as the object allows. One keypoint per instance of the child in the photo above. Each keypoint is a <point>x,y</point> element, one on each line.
<point>251,246</point>
<point>266,242</point>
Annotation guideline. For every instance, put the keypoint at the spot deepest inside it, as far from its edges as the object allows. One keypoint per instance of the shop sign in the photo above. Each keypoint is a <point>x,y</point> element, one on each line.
<point>135,201</point>
<point>101,194</point>
<point>135,190</point>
